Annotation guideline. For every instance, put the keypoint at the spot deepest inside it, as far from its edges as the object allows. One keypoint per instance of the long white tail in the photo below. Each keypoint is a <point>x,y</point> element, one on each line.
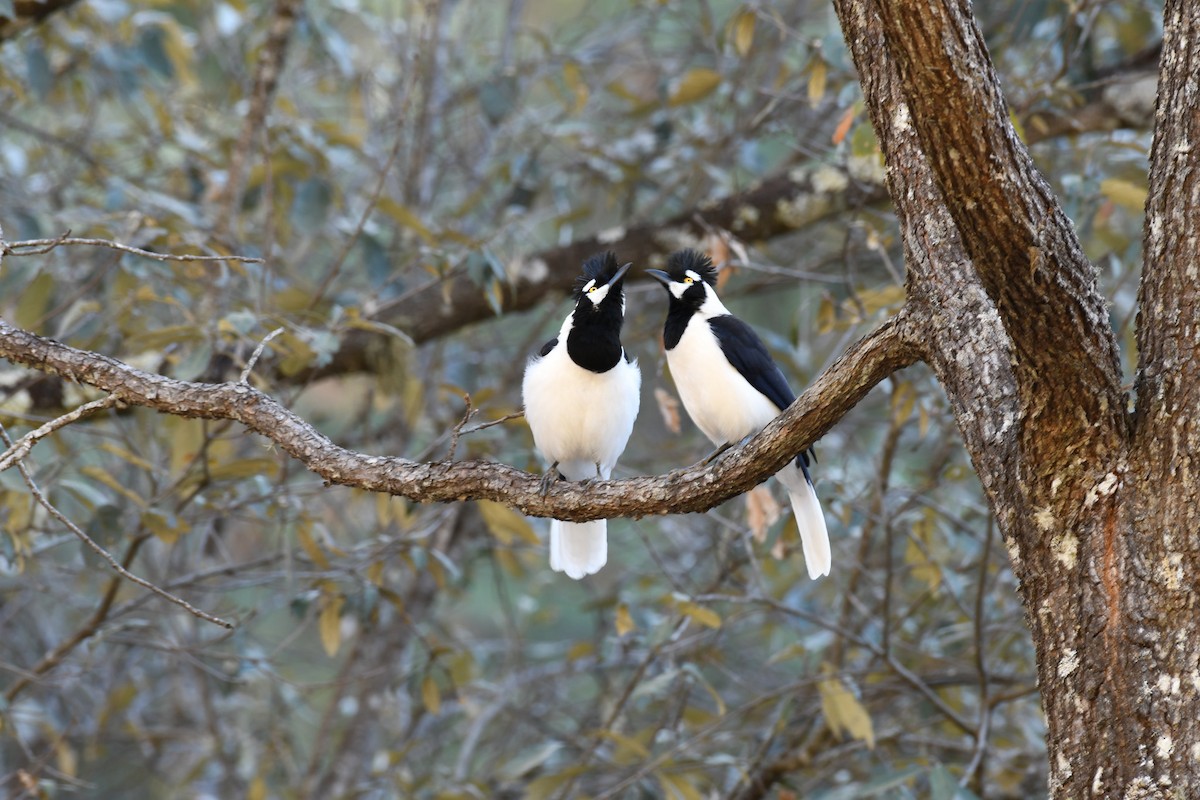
<point>580,548</point>
<point>809,519</point>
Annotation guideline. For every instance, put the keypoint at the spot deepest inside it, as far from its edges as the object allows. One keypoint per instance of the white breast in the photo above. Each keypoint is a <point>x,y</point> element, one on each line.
<point>578,417</point>
<point>717,398</point>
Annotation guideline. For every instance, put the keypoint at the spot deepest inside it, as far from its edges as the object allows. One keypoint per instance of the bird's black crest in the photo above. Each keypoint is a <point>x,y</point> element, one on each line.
<point>681,261</point>
<point>600,268</point>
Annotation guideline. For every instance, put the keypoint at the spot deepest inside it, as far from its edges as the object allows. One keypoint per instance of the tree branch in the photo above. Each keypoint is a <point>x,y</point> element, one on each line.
<point>28,14</point>
<point>1020,241</point>
<point>891,347</point>
<point>777,206</point>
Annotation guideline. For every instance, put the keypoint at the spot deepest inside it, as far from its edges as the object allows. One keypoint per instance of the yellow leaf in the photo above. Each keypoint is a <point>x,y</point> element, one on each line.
<point>743,31</point>
<point>843,712</point>
<point>304,536</point>
<point>430,695</point>
<point>581,649</point>
<point>505,524</point>
<point>903,400</point>
<point>628,748</point>
<point>678,787</point>
<point>406,217</point>
<point>668,406</point>
<point>694,85</point>
<point>574,80</point>
<point>1124,193</point>
<point>330,625</point>
<point>817,75</point>
<point>705,616</point>
<point>916,552</point>
<point>101,475</point>
<point>244,468</point>
<point>624,620</point>
<point>166,528</point>
<point>257,789</point>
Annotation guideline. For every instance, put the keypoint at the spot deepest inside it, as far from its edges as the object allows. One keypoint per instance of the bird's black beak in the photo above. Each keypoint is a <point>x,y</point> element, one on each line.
<point>660,276</point>
<point>615,279</point>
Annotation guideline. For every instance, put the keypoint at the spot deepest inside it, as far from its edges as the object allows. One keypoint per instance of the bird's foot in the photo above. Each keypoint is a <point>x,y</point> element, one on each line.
<point>599,476</point>
<point>549,478</point>
<point>715,454</point>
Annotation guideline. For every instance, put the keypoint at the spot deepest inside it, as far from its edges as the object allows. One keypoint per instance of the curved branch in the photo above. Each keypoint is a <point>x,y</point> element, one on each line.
<point>889,348</point>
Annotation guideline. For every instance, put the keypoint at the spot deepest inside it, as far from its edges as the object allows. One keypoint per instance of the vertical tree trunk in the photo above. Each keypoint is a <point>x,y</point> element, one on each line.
<point>1098,507</point>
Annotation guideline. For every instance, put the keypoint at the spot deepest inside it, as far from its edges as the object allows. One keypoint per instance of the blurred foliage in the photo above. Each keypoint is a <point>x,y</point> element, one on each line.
<point>389,650</point>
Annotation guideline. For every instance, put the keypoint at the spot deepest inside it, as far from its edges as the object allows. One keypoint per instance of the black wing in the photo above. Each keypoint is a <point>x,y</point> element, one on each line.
<point>749,356</point>
<point>547,347</point>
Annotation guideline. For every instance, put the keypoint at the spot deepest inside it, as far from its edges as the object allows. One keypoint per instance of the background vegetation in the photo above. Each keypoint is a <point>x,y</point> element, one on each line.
<point>384,160</point>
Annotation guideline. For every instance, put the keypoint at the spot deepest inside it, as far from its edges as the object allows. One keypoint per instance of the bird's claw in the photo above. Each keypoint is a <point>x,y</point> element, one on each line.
<point>549,478</point>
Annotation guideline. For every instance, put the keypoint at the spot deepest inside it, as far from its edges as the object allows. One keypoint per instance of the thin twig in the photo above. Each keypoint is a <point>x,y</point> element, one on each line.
<point>36,247</point>
<point>468,412</point>
<point>258,351</point>
<point>21,449</point>
<point>107,556</point>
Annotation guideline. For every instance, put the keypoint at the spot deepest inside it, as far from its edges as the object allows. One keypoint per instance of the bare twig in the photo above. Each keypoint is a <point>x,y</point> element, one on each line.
<point>34,247</point>
<point>258,351</point>
<point>100,551</point>
<point>18,451</point>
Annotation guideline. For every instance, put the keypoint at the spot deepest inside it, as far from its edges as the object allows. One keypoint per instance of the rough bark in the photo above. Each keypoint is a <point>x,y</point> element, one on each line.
<point>697,488</point>
<point>1102,557</point>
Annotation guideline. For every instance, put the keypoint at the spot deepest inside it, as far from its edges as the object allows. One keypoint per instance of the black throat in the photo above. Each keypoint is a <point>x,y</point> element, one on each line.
<point>679,314</point>
<point>594,341</point>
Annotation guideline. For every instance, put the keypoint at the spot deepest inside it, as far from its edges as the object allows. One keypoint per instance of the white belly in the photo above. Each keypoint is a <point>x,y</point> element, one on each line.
<point>717,398</point>
<point>580,418</point>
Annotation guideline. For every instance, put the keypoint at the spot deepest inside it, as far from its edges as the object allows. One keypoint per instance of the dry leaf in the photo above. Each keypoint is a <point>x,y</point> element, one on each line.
<point>762,511</point>
<point>624,620</point>
<point>843,712</point>
<point>668,406</point>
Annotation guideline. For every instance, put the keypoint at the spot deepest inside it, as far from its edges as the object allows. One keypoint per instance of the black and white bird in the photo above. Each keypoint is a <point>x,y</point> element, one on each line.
<point>581,397</point>
<point>730,386</point>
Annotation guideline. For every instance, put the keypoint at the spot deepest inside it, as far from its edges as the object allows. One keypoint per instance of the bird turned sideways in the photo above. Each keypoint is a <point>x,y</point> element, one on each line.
<point>581,395</point>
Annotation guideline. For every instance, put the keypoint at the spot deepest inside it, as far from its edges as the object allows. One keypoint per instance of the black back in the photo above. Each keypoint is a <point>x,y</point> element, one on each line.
<point>745,350</point>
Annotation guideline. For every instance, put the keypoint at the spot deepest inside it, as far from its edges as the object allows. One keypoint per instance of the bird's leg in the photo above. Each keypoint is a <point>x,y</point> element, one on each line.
<point>549,478</point>
<point>599,476</point>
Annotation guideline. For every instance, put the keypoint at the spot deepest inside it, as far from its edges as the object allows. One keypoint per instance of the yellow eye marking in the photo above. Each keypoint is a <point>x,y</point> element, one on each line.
<point>688,280</point>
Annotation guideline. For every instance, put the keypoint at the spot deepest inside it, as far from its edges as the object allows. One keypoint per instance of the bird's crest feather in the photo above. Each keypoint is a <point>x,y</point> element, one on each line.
<point>600,268</point>
<point>680,262</point>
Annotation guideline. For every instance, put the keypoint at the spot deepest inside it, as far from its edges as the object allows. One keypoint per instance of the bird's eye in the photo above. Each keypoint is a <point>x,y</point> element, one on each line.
<point>591,290</point>
<point>688,280</point>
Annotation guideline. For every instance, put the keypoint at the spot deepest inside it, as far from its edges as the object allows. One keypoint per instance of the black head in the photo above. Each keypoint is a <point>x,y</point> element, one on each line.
<point>687,273</point>
<point>601,277</point>
<point>594,341</point>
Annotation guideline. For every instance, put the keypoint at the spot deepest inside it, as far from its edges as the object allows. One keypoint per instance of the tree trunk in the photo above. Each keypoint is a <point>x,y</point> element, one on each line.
<point>1097,506</point>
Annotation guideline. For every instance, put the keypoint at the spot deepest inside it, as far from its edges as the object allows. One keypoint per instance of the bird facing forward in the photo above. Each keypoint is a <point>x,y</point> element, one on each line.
<point>730,386</point>
<point>581,396</point>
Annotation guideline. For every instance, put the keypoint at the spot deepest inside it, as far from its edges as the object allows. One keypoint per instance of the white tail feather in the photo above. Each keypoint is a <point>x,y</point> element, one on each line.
<point>810,520</point>
<point>578,548</point>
